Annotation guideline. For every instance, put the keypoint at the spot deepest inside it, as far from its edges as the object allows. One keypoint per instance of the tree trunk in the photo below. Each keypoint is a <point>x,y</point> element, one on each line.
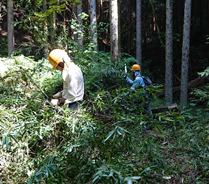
<point>52,28</point>
<point>185,53</point>
<point>75,12</point>
<point>138,32</point>
<point>1,16</point>
<point>80,36</point>
<point>119,29</point>
<point>169,54</point>
<point>100,19</point>
<point>10,26</point>
<point>167,107</point>
<point>208,15</point>
<point>93,23</point>
<point>46,31</point>
<point>129,27</point>
<point>114,30</point>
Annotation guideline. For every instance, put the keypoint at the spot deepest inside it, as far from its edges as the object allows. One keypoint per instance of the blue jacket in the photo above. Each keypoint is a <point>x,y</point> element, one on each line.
<point>138,81</point>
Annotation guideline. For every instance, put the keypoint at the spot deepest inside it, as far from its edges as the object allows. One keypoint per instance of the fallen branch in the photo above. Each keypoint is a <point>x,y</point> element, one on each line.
<point>172,106</point>
<point>192,84</point>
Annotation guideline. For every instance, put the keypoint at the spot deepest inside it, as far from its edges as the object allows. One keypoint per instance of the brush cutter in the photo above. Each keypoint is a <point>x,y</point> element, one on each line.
<point>125,70</point>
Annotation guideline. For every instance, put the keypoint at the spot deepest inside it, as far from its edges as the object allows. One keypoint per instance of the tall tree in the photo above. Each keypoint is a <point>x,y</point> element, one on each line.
<point>10,26</point>
<point>75,15</point>
<point>119,27</point>
<point>46,31</point>
<point>138,32</point>
<point>93,19</point>
<point>129,28</point>
<point>185,53</point>
<point>169,53</point>
<point>114,30</point>
<point>79,11</point>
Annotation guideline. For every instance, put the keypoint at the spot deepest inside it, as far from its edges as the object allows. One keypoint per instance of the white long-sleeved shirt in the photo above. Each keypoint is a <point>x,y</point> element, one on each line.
<point>73,84</point>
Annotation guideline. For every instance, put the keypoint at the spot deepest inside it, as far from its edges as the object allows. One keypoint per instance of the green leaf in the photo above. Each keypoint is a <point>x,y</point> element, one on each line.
<point>5,141</point>
<point>36,178</point>
<point>20,26</point>
<point>109,135</point>
<point>38,14</point>
<point>14,134</point>
<point>14,138</point>
<point>47,172</point>
<point>118,131</point>
<point>52,166</point>
<point>31,180</point>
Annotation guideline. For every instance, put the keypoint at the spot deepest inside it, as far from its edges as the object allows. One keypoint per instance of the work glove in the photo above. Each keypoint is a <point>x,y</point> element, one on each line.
<point>55,102</point>
<point>57,95</point>
<point>125,76</point>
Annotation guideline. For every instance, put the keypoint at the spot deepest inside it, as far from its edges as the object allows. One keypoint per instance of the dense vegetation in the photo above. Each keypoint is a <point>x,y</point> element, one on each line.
<point>105,140</point>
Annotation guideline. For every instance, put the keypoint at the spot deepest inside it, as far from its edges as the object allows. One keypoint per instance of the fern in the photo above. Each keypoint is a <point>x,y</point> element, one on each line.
<point>205,73</point>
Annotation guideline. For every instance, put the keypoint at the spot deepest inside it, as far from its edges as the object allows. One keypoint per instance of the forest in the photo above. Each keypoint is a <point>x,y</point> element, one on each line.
<point>105,140</point>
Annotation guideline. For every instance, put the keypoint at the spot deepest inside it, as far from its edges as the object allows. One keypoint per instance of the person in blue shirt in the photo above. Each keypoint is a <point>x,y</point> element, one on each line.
<point>138,82</point>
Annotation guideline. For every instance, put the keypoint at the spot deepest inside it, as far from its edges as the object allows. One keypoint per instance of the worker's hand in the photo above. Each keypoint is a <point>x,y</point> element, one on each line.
<point>61,101</point>
<point>57,95</point>
<point>125,76</point>
<point>54,102</point>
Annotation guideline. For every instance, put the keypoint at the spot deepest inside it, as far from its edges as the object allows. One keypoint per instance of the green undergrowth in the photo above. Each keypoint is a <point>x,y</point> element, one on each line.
<point>104,140</point>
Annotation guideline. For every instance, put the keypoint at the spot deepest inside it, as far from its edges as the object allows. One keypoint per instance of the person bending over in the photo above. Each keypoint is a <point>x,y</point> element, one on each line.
<point>73,83</point>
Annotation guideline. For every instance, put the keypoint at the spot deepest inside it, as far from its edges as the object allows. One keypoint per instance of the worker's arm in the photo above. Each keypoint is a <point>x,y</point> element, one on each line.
<point>137,82</point>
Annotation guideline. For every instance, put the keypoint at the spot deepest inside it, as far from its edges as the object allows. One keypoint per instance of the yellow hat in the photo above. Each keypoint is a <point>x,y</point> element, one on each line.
<point>135,67</point>
<point>55,56</point>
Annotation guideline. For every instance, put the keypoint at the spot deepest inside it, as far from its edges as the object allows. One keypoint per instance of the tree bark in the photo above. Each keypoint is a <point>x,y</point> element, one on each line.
<point>129,28</point>
<point>119,28</point>
<point>93,23</point>
<point>114,30</point>
<point>100,19</point>
<point>185,53</point>
<point>169,54</point>
<point>46,31</point>
<point>138,32</point>
<point>10,26</point>
<point>80,36</point>
<point>75,12</point>
<point>171,106</point>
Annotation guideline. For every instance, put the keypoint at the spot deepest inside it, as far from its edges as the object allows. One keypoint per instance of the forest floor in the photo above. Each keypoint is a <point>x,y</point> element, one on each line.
<point>104,138</point>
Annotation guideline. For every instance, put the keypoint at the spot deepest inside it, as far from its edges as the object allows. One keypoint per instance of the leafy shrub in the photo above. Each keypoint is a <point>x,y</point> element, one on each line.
<point>201,94</point>
<point>3,47</point>
<point>104,141</point>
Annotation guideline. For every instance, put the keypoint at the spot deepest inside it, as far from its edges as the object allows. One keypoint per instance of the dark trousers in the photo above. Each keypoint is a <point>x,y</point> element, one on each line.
<point>146,106</point>
<point>74,105</point>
